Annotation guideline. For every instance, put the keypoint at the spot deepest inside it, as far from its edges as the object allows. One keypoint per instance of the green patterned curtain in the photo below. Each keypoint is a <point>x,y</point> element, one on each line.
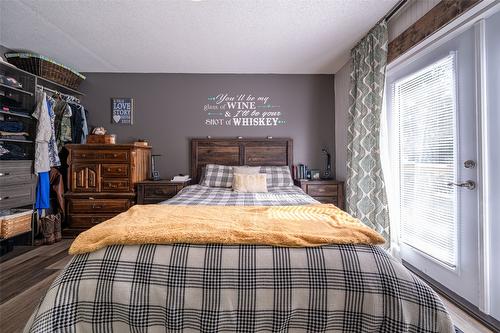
<point>365,191</point>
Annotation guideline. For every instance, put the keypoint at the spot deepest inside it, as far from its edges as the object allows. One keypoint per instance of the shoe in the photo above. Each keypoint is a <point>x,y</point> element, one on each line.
<point>57,227</point>
<point>48,230</point>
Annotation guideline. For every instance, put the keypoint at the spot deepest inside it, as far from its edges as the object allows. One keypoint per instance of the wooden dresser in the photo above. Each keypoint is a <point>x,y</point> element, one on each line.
<point>101,181</point>
<point>325,191</point>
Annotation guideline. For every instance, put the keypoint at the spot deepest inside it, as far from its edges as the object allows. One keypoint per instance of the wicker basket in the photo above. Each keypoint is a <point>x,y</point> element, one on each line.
<point>15,222</point>
<point>46,68</point>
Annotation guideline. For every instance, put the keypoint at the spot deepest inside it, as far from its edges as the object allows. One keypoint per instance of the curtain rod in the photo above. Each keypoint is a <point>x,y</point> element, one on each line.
<point>396,8</point>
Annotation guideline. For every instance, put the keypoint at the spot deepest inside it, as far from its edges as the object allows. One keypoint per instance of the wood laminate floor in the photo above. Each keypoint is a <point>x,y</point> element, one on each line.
<point>25,278</point>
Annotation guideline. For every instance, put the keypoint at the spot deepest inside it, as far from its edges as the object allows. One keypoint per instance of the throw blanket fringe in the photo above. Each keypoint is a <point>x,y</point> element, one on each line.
<point>285,226</point>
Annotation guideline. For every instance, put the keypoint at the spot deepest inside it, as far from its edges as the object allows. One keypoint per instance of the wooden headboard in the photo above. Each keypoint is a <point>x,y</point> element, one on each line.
<point>275,151</point>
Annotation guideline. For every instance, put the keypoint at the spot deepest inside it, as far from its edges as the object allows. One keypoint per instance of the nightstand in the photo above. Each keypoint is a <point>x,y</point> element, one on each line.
<point>325,191</point>
<point>154,191</point>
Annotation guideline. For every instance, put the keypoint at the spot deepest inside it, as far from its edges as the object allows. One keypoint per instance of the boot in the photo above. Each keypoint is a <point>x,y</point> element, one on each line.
<point>57,227</point>
<point>48,230</point>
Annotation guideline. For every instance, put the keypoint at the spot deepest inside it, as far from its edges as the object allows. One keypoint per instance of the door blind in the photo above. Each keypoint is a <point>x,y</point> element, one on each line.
<point>425,103</point>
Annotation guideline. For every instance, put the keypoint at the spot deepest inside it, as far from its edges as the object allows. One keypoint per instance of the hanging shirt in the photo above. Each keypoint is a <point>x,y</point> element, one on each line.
<point>42,191</point>
<point>43,134</point>
<point>85,129</point>
<point>53,152</point>
<point>77,122</point>
<point>62,123</point>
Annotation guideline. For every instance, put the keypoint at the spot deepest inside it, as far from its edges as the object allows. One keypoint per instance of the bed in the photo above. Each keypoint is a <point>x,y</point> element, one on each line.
<point>238,288</point>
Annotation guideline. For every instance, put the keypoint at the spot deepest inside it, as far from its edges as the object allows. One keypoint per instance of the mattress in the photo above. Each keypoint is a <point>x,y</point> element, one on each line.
<point>245,288</point>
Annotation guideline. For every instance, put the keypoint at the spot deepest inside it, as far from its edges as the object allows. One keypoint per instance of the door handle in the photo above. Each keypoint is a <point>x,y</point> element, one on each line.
<point>469,184</point>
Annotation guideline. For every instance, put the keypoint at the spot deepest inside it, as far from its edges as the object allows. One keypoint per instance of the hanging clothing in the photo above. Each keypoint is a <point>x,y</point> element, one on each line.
<point>57,186</point>
<point>53,151</point>
<point>62,123</point>
<point>43,134</point>
<point>85,129</point>
<point>43,191</point>
<point>79,130</point>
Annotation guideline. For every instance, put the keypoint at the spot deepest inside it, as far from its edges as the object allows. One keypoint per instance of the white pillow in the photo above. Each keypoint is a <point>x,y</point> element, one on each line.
<point>244,183</point>
<point>246,170</point>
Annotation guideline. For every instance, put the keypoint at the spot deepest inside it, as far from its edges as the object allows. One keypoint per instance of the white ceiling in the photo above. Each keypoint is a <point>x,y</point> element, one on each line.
<point>208,36</point>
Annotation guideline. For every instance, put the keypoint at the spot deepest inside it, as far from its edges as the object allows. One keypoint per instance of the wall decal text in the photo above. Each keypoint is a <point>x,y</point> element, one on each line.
<point>242,110</point>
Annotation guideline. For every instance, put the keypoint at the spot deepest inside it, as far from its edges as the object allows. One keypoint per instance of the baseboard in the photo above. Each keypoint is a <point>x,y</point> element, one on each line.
<point>472,310</point>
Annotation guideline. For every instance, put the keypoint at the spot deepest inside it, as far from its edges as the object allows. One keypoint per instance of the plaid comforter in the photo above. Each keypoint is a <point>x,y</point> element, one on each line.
<point>221,288</point>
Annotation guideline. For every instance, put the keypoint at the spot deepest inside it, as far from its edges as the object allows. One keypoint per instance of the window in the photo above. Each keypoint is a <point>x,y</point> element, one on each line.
<point>425,105</point>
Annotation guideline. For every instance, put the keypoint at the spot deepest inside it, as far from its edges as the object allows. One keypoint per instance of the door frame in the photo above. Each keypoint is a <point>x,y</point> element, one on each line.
<point>473,17</point>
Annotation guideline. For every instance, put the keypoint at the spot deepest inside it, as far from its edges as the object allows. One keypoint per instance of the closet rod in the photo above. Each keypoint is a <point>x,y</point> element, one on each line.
<point>39,86</point>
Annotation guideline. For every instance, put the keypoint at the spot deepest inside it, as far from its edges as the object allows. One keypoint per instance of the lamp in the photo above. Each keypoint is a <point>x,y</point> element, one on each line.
<point>327,172</point>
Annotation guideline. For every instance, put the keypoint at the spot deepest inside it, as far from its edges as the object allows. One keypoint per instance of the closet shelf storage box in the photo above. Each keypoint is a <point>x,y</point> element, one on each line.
<point>45,68</point>
<point>101,181</point>
<point>14,222</point>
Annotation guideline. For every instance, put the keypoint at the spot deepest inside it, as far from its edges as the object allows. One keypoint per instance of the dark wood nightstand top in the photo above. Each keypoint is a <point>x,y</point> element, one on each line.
<point>318,181</point>
<point>163,182</point>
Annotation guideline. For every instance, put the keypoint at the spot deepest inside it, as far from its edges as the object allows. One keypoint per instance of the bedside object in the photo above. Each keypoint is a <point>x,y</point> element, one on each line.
<point>327,172</point>
<point>155,174</point>
<point>154,191</point>
<point>325,191</point>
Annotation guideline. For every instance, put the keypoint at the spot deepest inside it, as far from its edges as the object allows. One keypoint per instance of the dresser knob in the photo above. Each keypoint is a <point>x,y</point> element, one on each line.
<point>4,174</point>
<point>109,169</point>
<point>115,155</point>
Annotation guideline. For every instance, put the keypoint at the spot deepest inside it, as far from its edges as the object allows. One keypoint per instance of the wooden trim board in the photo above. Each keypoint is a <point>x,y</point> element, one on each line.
<point>440,15</point>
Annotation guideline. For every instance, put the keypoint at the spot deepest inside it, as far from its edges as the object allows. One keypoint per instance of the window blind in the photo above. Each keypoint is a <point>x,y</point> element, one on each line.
<point>425,103</point>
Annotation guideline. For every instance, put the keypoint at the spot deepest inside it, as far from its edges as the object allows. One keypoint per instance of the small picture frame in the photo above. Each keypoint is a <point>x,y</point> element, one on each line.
<point>122,110</point>
<point>315,174</point>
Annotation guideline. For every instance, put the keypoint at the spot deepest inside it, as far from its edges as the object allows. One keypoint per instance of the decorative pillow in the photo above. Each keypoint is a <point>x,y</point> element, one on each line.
<point>246,183</point>
<point>246,170</point>
<point>217,176</point>
<point>277,176</point>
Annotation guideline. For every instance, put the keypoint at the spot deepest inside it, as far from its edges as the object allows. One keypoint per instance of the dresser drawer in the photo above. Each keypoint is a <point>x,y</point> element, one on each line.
<point>160,191</point>
<point>328,200</point>
<point>16,172</point>
<point>97,206</point>
<point>83,155</point>
<point>115,185</point>
<point>322,190</point>
<point>17,195</point>
<point>114,155</point>
<point>114,170</point>
<point>84,221</point>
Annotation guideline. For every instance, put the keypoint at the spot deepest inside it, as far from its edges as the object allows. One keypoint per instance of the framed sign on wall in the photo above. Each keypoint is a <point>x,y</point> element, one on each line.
<point>122,110</point>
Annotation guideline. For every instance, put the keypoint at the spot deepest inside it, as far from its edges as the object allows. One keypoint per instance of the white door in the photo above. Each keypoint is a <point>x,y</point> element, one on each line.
<point>433,136</point>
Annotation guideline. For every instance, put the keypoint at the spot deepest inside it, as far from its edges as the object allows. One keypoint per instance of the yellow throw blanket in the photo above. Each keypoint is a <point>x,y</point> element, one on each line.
<point>292,226</point>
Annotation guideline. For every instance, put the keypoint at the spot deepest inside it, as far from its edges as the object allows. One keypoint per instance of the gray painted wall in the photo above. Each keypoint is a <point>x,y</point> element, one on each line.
<point>169,111</point>
<point>342,83</point>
